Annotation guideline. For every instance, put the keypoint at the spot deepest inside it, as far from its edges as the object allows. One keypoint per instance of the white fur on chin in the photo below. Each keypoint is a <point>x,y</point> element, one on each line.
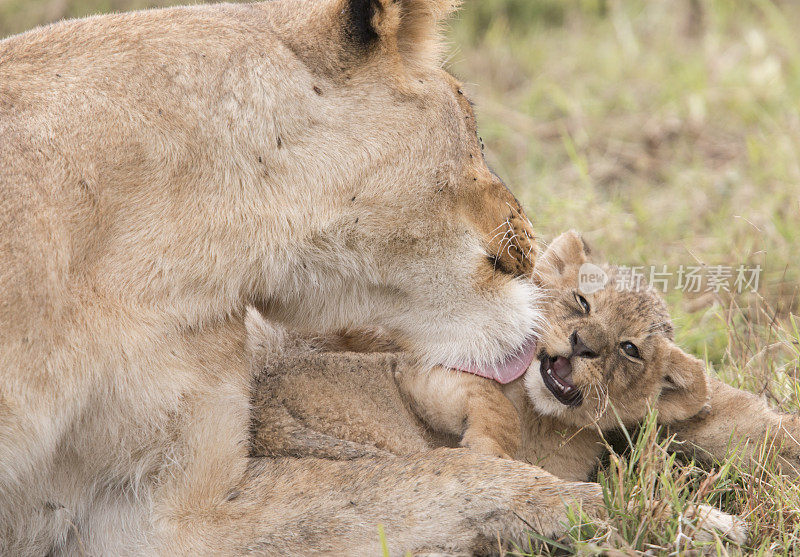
<point>541,397</point>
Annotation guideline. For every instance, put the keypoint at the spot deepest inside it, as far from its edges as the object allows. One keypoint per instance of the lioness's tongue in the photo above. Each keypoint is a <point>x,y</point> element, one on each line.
<point>509,369</point>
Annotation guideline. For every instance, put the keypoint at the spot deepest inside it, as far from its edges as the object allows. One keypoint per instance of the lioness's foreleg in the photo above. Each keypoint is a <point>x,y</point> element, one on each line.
<point>446,500</point>
<point>215,500</point>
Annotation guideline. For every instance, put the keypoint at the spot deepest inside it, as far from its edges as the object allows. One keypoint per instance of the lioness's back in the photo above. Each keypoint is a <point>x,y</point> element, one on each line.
<point>93,111</point>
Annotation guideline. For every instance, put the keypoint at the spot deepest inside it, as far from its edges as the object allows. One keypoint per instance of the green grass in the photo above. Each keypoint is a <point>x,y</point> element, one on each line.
<point>647,472</point>
<point>667,131</point>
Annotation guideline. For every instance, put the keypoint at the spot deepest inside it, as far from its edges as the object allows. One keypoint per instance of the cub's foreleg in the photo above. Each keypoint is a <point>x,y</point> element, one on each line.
<point>462,404</point>
<point>448,401</point>
<point>741,420</point>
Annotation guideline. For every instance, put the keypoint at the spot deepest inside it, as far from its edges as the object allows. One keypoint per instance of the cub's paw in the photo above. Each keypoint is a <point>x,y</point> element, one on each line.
<point>702,524</point>
<point>711,522</point>
<point>481,444</point>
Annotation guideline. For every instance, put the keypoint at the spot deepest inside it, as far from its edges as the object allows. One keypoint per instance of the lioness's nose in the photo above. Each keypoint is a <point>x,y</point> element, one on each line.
<point>579,348</point>
<point>508,233</point>
<point>512,242</point>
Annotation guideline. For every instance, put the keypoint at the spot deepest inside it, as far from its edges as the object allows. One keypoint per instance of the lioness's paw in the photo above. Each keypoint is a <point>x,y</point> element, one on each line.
<point>522,498</point>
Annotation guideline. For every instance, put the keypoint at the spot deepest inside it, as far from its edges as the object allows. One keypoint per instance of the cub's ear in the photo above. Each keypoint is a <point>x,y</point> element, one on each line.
<point>561,260</point>
<point>409,27</point>
<point>684,385</point>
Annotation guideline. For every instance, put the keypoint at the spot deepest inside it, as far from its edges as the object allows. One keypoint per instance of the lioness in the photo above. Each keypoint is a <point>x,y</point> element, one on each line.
<point>161,170</point>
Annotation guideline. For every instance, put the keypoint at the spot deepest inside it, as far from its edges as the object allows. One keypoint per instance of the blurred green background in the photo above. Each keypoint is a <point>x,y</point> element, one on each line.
<point>667,131</point>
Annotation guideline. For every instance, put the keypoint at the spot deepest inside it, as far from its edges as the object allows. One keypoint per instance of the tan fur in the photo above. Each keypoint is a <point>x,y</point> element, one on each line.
<point>741,422</point>
<point>708,418</point>
<point>159,171</point>
<point>616,388</point>
<point>347,407</point>
<point>311,401</point>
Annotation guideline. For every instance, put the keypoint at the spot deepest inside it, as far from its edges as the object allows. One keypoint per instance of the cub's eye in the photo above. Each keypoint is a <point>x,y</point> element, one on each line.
<point>582,302</point>
<point>630,349</point>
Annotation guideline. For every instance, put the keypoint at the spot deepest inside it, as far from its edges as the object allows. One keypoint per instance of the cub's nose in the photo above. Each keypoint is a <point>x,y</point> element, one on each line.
<point>579,348</point>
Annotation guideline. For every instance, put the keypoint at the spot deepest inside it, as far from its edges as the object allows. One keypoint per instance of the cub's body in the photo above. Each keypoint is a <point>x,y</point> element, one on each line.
<point>322,395</point>
<point>316,397</point>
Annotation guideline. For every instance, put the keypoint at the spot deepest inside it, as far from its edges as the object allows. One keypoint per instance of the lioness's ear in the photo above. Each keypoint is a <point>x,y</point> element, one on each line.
<point>684,388</point>
<point>562,259</point>
<point>409,27</point>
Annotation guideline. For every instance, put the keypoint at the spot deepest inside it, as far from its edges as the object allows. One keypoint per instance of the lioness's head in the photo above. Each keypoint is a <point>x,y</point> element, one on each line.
<point>416,234</point>
<point>608,348</point>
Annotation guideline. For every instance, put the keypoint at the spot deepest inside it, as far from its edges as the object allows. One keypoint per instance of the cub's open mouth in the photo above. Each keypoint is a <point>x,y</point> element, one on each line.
<point>557,376</point>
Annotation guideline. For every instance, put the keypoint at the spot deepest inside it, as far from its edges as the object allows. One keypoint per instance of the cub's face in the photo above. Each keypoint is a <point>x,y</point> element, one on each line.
<point>608,354</point>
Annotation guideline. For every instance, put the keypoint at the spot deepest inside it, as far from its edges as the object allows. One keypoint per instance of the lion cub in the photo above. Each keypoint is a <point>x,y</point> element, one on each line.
<point>601,357</point>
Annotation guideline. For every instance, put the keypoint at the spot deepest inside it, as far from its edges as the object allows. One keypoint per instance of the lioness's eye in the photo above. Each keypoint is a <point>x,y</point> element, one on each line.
<point>582,301</point>
<point>630,349</point>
